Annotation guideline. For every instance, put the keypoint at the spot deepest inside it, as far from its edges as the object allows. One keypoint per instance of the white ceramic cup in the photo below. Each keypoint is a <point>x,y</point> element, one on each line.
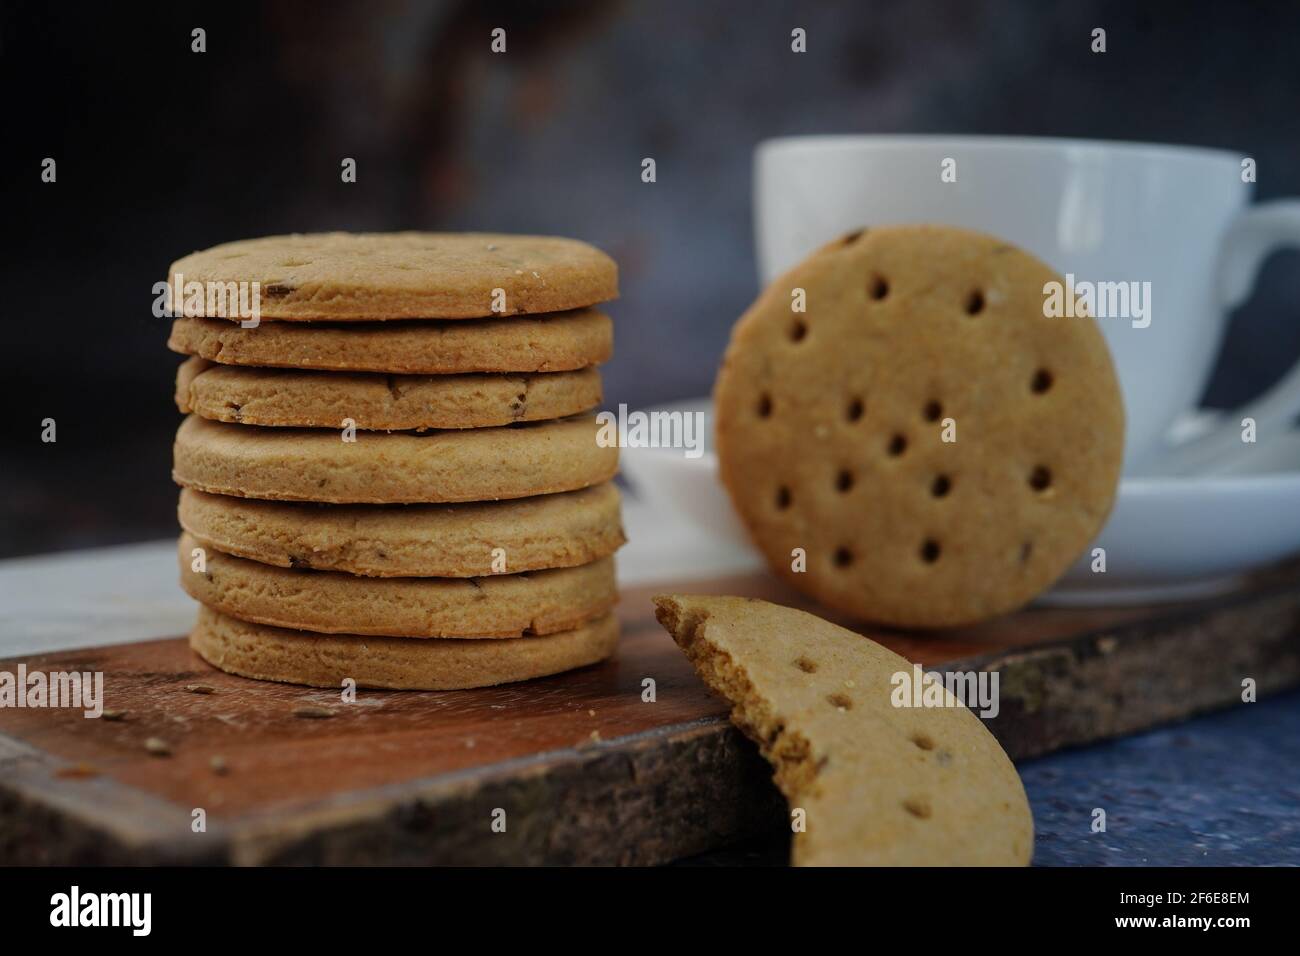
<point>1173,216</point>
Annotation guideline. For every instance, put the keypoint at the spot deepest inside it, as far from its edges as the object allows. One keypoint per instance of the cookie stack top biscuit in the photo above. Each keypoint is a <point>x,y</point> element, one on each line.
<point>364,277</point>
<point>401,446</point>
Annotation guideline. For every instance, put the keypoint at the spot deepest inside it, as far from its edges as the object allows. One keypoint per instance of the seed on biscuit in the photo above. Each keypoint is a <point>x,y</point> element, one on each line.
<point>918,807</point>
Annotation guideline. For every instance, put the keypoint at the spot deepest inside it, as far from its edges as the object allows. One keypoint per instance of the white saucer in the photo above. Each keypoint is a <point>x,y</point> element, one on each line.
<point>1167,539</point>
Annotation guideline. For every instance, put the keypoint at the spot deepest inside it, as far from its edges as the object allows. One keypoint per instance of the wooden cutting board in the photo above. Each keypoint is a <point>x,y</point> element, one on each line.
<point>581,767</point>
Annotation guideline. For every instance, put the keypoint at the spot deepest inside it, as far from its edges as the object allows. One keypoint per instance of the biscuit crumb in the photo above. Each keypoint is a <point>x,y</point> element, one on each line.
<point>77,771</point>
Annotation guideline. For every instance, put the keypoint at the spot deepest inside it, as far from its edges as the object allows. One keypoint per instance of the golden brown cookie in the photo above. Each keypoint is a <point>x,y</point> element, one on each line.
<point>326,660</point>
<point>543,343</point>
<point>294,398</point>
<point>475,464</point>
<point>935,448</point>
<point>878,784</point>
<point>462,540</point>
<point>352,277</point>
<point>505,605</point>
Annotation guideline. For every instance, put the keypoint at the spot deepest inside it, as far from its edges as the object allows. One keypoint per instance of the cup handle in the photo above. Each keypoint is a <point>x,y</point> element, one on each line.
<point>1256,232</point>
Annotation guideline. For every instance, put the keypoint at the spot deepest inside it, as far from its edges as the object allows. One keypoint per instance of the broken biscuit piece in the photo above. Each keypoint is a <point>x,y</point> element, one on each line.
<point>871,783</point>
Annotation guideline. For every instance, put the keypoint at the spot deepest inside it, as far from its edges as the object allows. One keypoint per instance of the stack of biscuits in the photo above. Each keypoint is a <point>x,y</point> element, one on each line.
<point>392,473</point>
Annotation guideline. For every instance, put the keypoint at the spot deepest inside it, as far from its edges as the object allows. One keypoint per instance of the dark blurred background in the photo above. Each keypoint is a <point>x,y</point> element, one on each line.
<point>162,151</point>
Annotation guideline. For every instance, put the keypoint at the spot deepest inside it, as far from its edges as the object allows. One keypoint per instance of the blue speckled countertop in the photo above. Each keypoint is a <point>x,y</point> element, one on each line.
<point>1219,790</point>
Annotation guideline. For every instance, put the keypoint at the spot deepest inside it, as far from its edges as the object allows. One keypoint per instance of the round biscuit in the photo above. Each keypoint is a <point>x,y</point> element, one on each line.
<point>393,663</point>
<point>931,444</point>
<point>360,277</point>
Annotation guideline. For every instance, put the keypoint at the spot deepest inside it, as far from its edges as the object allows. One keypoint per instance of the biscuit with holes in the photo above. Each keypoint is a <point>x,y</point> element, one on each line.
<point>394,663</point>
<point>292,398</point>
<point>471,464</point>
<point>541,343</point>
<point>496,606</point>
<point>938,449</point>
<point>562,530</point>
<point>359,277</point>
<point>879,785</point>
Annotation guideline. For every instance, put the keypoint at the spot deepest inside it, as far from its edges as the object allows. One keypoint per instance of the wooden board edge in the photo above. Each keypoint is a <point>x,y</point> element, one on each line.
<point>1138,675</point>
<point>47,820</point>
<point>640,799</point>
<point>632,800</point>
